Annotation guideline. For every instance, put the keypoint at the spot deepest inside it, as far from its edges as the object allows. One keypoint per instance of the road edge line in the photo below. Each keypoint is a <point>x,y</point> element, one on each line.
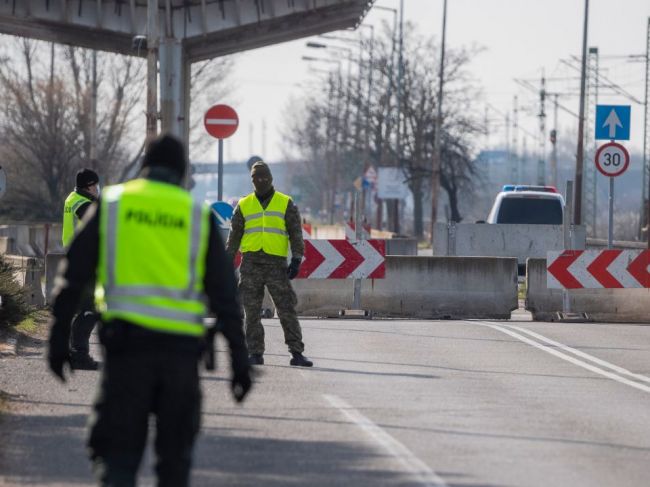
<point>580,353</point>
<point>394,447</point>
<point>568,358</point>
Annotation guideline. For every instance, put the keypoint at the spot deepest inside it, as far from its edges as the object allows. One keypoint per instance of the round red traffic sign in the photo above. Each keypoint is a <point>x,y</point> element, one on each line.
<point>221,121</point>
<point>612,159</point>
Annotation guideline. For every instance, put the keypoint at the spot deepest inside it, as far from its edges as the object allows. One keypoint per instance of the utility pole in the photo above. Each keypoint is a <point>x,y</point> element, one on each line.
<point>541,162</point>
<point>92,152</point>
<point>400,74</point>
<point>577,207</point>
<point>645,209</point>
<point>553,138</point>
<point>437,160</point>
<point>152,69</point>
<point>507,145</point>
<point>590,182</point>
<point>514,169</point>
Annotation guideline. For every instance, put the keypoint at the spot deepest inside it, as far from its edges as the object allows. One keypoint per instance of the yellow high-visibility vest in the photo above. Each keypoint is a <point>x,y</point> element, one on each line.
<point>153,241</point>
<point>70,219</point>
<point>265,229</point>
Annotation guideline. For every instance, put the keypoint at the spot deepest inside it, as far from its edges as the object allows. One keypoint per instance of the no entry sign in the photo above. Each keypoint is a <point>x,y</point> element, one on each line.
<point>221,121</point>
<point>612,159</point>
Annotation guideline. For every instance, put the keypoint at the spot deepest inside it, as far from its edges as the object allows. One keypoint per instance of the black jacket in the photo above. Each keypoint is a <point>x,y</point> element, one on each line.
<point>78,271</point>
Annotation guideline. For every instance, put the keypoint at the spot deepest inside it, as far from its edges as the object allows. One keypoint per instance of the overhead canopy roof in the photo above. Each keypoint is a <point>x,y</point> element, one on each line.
<point>208,28</point>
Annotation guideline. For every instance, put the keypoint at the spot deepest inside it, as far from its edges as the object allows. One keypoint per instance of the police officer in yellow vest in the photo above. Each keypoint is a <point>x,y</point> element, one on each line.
<point>160,265</point>
<point>76,204</point>
<point>264,224</point>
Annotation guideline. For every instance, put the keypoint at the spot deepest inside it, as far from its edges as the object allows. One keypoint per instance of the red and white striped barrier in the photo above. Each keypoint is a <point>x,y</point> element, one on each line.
<point>597,269</point>
<point>340,259</point>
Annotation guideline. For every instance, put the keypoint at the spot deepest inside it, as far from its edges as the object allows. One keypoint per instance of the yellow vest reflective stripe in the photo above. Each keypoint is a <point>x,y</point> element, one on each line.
<point>70,220</point>
<point>265,229</point>
<point>153,243</point>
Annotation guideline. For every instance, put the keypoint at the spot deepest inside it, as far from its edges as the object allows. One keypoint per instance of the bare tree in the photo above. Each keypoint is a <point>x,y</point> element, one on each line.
<point>46,125</point>
<point>50,128</point>
<point>365,131</point>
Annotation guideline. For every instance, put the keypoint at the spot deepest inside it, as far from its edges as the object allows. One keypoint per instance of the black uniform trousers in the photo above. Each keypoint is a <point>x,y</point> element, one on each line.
<point>83,323</point>
<point>140,379</point>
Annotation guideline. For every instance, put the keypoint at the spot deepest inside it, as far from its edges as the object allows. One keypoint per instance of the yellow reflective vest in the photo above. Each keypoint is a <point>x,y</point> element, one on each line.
<point>153,241</point>
<point>70,219</point>
<point>265,229</point>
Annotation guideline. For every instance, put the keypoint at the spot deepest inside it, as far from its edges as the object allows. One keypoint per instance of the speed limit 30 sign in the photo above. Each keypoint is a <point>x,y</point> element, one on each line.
<point>612,159</point>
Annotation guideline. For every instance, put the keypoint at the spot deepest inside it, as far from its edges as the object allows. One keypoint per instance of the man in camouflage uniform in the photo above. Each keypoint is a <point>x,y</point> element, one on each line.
<point>264,224</point>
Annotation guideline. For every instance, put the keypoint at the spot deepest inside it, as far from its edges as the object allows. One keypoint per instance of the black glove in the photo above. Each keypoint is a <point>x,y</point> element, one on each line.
<point>58,351</point>
<point>241,381</point>
<point>208,348</point>
<point>56,363</point>
<point>294,268</point>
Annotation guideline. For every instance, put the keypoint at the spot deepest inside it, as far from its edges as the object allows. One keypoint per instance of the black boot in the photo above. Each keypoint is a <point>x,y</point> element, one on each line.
<point>299,360</point>
<point>256,359</point>
<point>83,361</point>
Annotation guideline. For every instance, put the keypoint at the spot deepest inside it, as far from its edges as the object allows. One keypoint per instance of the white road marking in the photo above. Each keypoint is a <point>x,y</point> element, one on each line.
<point>584,355</point>
<point>413,464</point>
<point>563,356</point>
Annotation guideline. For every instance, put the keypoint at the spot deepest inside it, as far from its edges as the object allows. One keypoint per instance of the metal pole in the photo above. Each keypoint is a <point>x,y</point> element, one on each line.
<point>610,226</point>
<point>356,293</point>
<point>400,74</point>
<point>646,136</point>
<point>152,69</point>
<point>220,172</point>
<point>437,159</point>
<point>568,211</point>
<point>92,153</point>
<point>581,123</point>
<point>541,162</point>
<point>554,181</point>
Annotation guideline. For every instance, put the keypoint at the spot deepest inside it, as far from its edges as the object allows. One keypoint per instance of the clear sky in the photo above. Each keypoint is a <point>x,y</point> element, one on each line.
<point>522,39</point>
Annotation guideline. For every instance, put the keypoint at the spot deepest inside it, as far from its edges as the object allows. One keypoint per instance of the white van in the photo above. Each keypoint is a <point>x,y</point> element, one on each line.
<point>537,205</point>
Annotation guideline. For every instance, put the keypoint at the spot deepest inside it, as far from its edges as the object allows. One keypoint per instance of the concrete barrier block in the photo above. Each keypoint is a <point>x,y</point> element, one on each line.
<point>52,262</point>
<point>401,246</point>
<point>603,305</point>
<point>422,287</point>
<point>29,274</point>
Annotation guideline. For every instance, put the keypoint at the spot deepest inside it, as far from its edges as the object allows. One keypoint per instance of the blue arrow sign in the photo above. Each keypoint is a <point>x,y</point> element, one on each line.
<point>223,213</point>
<point>613,122</point>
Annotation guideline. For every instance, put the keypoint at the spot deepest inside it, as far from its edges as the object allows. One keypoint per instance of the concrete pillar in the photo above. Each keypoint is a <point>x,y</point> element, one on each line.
<point>174,88</point>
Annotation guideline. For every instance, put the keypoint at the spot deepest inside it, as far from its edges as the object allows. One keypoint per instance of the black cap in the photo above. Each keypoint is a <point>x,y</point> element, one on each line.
<point>262,168</point>
<point>166,151</point>
<point>253,160</point>
<point>86,177</point>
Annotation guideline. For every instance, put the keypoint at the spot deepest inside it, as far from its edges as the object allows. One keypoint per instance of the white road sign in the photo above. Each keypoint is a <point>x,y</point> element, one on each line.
<point>612,159</point>
<point>391,183</point>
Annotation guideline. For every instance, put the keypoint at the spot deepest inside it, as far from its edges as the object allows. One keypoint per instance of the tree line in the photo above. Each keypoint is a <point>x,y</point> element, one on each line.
<point>348,120</point>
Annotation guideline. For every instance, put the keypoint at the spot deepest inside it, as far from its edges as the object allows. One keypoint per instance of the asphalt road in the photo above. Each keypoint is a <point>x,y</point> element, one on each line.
<point>390,402</point>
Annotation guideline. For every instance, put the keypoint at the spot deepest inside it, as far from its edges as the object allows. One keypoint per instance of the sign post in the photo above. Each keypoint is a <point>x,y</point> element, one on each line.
<point>612,159</point>
<point>220,121</point>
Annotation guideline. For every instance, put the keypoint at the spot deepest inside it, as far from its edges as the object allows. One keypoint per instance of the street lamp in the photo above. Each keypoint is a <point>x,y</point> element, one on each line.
<point>437,162</point>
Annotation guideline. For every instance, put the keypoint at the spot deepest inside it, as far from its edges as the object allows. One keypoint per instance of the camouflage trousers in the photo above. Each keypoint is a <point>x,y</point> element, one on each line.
<point>253,277</point>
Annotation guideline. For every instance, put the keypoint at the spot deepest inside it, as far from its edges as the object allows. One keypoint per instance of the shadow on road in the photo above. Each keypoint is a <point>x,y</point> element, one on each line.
<point>41,450</point>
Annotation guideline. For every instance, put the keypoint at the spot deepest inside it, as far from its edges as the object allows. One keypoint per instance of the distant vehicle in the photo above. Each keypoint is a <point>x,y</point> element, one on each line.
<point>536,205</point>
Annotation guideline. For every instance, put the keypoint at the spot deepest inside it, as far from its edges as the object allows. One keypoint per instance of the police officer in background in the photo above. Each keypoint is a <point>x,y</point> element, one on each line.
<point>157,256</point>
<point>263,225</point>
<point>76,204</point>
